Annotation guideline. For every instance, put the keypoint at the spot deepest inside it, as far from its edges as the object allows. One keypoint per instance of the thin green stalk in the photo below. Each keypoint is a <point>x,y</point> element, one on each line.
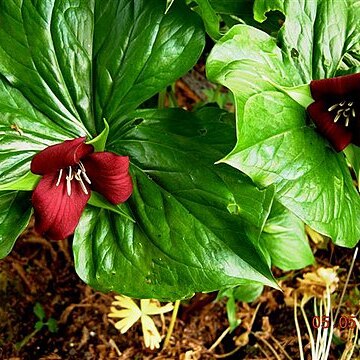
<point>161,99</point>
<point>172,97</point>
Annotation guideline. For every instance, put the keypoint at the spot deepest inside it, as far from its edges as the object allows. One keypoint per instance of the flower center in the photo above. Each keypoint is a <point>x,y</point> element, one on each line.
<point>78,173</point>
<point>344,109</point>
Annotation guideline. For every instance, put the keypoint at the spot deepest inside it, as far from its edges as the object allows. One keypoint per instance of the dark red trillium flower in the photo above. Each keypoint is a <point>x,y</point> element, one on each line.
<point>70,171</point>
<point>336,110</point>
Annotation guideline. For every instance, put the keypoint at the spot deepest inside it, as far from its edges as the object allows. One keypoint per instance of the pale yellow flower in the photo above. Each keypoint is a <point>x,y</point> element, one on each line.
<point>315,283</point>
<point>130,313</point>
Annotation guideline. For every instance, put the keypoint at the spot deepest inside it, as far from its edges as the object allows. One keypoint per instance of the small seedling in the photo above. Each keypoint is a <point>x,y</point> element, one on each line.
<point>51,324</point>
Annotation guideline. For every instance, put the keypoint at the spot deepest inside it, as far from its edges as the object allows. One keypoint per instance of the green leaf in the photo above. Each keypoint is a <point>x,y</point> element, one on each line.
<point>352,154</point>
<point>52,325</point>
<point>15,214</point>
<point>139,50</point>
<point>350,63</point>
<point>210,18</point>
<point>234,322</point>
<point>235,10</point>
<point>59,61</point>
<point>316,34</point>
<point>282,234</point>
<point>276,145</point>
<point>261,7</point>
<point>99,142</point>
<point>39,311</point>
<point>98,200</point>
<point>185,239</point>
<point>38,325</point>
<point>248,292</point>
<point>21,139</point>
<point>311,179</point>
<point>45,52</point>
<point>26,183</point>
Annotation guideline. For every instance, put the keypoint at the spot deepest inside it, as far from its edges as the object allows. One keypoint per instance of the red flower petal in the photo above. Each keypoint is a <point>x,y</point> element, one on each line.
<point>56,213</point>
<point>337,87</point>
<point>60,156</point>
<point>109,175</point>
<point>338,135</point>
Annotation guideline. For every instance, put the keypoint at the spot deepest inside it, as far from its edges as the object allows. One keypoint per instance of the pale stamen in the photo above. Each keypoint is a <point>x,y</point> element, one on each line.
<point>68,181</point>
<point>59,178</point>
<point>79,179</point>
<point>79,174</point>
<point>346,110</point>
<point>333,107</point>
<point>83,172</point>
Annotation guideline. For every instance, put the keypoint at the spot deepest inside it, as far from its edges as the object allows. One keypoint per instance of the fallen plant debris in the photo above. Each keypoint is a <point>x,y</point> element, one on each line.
<point>85,332</point>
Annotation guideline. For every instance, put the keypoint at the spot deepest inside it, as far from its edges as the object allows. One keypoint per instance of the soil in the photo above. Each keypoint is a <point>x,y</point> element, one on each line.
<point>42,271</point>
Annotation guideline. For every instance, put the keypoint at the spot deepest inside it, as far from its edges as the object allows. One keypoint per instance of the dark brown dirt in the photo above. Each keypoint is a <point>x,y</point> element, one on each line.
<point>41,271</point>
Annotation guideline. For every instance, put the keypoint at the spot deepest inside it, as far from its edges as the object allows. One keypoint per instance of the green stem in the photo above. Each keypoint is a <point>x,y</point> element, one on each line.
<point>161,99</point>
<point>25,340</point>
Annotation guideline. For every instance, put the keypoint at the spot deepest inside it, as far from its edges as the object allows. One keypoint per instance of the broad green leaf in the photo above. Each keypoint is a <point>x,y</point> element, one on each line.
<point>185,238</point>
<point>350,62</point>
<point>65,66</point>
<point>261,7</point>
<point>248,11</point>
<point>316,34</point>
<point>98,200</point>
<point>139,50</point>
<point>248,292</point>
<point>27,182</point>
<point>46,52</point>
<point>60,60</point>
<point>284,240</point>
<point>15,213</point>
<point>20,138</point>
<point>276,144</point>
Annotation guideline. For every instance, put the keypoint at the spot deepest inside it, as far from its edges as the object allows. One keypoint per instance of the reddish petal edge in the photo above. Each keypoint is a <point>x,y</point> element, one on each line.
<point>60,156</point>
<point>56,213</point>
<point>337,87</point>
<point>109,175</point>
<point>337,134</point>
